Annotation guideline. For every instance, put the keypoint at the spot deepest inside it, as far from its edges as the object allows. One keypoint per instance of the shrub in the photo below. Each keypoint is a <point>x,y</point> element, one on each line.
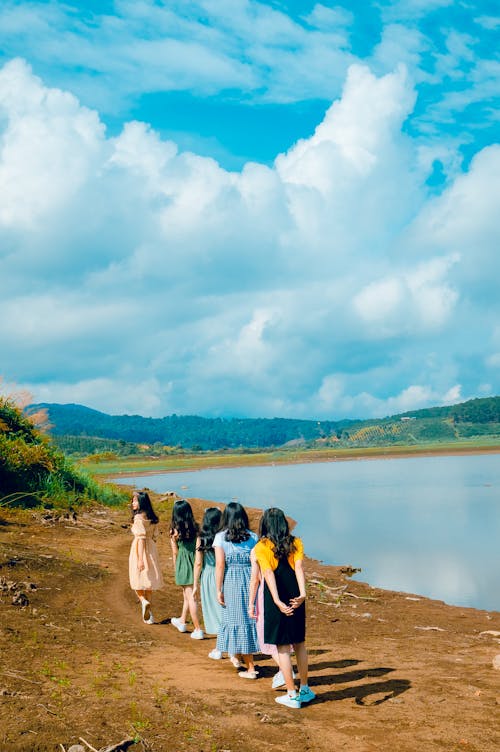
<point>33,472</point>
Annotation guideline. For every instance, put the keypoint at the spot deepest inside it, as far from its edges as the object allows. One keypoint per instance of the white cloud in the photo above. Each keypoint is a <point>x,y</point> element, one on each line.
<point>465,219</point>
<point>334,398</point>
<point>112,396</point>
<point>139,278</point>
<point>411,9</point>
<point>204,47</point>
<point>49,146</point>
<point>416,300</point>
<point>488,22</point>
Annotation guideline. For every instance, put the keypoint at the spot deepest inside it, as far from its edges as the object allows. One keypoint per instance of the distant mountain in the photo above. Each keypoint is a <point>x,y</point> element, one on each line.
<point>187,431</point>
<point>89,429</point>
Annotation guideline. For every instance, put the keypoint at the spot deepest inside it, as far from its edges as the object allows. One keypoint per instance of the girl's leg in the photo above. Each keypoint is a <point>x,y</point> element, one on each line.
<point>306,694</point>
<point>185,605</point>
<point>191,605</point>
<point>145,603</point>
<point>249,662</point>
<point>278,678</point>
<point>285,662</point>
<point>301,656</point>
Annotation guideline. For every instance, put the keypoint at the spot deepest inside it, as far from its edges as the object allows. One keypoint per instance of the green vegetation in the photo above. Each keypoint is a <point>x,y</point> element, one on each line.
<point>80,432</point>
<point>33,472</point>
<point>468,420</point>
<point>190,442</point>
<point>187,431</point>
<point>198,461</point>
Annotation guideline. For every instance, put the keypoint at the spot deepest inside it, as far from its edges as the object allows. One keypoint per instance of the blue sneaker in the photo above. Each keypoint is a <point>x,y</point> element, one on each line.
<point>306,694</point>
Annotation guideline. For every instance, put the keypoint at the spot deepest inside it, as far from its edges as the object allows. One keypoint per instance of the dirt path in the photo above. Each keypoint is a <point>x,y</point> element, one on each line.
<point>391,671</point>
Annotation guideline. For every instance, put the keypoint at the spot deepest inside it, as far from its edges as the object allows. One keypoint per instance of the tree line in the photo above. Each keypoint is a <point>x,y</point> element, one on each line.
<point>82,430</point>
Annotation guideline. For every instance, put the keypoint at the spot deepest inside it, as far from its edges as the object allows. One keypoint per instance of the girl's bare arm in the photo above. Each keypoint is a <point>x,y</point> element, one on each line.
<point>220,566</point>
<point>175,547</point>
<point>271,584</point>
<point>254,584</point>
<point>301,582</point>
<point>198,564</point>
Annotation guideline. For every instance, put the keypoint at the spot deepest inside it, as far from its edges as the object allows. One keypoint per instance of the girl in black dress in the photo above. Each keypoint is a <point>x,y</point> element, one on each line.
<point>280,557</point>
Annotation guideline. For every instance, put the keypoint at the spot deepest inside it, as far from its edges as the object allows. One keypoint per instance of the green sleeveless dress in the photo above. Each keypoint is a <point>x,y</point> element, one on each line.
<point>184,563</point>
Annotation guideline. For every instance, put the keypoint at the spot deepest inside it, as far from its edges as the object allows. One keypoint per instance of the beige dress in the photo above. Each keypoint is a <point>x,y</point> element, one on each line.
<point>150,578</point>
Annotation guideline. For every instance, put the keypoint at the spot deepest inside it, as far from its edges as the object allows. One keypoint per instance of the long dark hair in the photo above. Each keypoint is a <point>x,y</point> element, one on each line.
<point>145,506</point>
<point>183,521</point>
<point>274,526</point>
<point>210,524</point>
<point>234,521</point>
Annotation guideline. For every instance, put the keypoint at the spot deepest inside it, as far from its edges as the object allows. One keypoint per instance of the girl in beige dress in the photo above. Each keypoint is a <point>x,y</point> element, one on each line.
<point>144,568</point>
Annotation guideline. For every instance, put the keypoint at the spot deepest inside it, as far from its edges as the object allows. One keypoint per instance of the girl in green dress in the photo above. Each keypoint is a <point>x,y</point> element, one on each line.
<point>183,535</point>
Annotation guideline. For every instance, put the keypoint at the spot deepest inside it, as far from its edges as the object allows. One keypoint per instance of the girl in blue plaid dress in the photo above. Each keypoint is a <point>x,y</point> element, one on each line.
<point>233,544</point>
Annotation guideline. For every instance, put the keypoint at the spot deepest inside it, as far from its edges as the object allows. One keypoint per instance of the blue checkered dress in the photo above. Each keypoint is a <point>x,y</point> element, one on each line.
<point>237,633</point>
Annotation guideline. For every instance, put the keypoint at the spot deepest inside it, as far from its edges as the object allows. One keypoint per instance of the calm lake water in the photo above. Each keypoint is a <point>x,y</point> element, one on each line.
<point>425,525</point>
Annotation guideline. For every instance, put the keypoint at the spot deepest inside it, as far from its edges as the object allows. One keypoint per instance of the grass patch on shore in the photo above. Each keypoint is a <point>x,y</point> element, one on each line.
<point>207,460</point>
<point>33,473</point>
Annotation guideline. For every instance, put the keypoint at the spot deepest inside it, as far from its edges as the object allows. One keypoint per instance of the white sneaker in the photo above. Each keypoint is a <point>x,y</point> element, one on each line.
<point>215,654</point>
<point>236,663</point>
<point>248,674</point>
<point>290,702</point>
<point>278,680</point>
<point>197,634</point>
<point>178,624</point>
<point>146,609</point>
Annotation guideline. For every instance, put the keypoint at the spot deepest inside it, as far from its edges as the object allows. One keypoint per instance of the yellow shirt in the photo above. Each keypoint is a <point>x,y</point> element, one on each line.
<point>266,559</point>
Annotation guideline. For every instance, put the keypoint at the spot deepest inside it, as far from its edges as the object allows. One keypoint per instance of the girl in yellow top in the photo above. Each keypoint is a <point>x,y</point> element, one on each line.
<point>280,558</point>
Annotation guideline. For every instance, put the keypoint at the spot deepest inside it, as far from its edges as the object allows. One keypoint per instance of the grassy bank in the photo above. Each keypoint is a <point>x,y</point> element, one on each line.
<point>34,473</point>
<point>203,460</point>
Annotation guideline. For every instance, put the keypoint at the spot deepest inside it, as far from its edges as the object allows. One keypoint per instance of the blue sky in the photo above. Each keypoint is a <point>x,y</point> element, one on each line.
<point>228,207</point>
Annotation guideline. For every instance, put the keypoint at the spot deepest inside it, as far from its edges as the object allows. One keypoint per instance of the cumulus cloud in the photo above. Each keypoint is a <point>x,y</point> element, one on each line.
<point>49,147</point>
<point>417,300</point>
<point>137,277</point>
<point>205,47</point>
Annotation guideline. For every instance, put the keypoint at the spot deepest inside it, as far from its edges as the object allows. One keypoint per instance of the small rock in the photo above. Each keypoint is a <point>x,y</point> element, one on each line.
<point>491,632</point>
<point>21,599</point>
<point>76,748</point>
<point>431,629</point>
<point>496,662</point>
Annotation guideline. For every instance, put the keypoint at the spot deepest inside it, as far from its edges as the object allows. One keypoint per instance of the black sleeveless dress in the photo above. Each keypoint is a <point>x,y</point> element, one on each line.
<point>280,629</point>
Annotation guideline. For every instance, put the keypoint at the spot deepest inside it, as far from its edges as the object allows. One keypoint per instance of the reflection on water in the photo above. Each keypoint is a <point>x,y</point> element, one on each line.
<point>427,525</point>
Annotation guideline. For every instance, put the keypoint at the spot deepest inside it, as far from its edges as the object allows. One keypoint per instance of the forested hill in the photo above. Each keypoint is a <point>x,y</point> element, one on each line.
<point>72,425</point>
<point>186,430</point>
<point>480,410</point>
